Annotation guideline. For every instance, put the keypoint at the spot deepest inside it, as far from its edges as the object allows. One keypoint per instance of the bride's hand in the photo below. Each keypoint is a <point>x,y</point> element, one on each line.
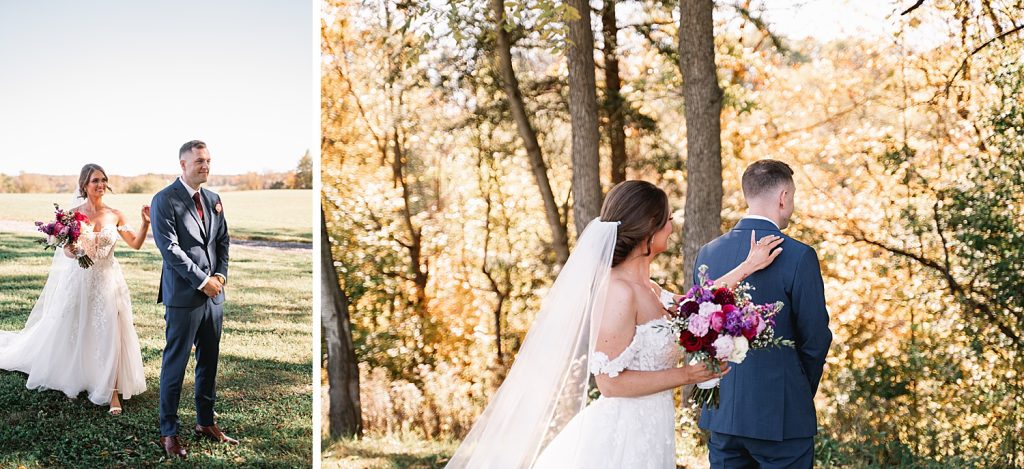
<point>145,213</point>
<point>70,250</point>
<point>761,254</point>
<point>699,372</point>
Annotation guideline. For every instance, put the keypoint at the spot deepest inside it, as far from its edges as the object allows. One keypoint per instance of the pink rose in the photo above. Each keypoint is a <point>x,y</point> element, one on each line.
<point>698,325</point>
<point>717,320</point>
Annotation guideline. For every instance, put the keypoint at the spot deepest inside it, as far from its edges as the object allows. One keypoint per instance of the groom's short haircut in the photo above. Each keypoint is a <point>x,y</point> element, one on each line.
<point>764,175</point>
<point>189,146</point>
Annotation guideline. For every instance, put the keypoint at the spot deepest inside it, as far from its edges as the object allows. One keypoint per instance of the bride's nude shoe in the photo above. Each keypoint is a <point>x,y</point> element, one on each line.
<point>115,409</point>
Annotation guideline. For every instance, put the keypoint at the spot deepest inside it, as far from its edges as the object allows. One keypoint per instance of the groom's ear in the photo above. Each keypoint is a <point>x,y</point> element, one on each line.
<point>783,196</point>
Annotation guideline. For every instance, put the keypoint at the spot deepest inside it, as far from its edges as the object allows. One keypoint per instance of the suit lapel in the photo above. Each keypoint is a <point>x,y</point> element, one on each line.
<point>207,211</point>
<point>190,205</point>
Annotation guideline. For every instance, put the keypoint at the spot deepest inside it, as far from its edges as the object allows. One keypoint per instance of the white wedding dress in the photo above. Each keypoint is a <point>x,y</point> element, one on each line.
<point>621,432</point>
<point>80,335</point>
<point>539,416</point>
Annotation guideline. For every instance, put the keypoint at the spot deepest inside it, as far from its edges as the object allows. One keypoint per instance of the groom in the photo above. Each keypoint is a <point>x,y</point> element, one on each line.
<point>766,417</point>
<point>190,231</point>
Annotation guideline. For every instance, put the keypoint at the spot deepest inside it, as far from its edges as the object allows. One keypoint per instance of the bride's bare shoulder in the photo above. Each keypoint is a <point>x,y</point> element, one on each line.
<point>621,297</point>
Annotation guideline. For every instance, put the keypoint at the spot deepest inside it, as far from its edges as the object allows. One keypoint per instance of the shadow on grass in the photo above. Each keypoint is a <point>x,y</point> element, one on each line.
<point>20,256</point>
<point>390,451</point>
<point>266,404</point>
<point>272,235</point>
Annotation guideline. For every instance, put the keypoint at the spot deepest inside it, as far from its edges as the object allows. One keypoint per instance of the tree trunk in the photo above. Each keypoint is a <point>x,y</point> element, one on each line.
<point>345,414</point>
<point>613,102</point>
<point>415,245</point>
<point>510,85</point>
<point>586,163</point>
<point>702,102</point>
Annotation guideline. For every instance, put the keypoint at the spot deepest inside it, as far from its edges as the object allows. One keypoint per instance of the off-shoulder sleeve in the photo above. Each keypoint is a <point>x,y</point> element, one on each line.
<point>600,364</point>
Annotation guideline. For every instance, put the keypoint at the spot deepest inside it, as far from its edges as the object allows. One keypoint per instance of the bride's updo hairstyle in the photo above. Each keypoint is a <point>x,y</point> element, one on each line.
<point>641,208</point>
<point>83,179</point>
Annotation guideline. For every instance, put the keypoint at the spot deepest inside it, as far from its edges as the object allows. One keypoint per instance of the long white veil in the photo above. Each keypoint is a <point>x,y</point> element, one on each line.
<point>56,282</point>
<point>60,266</point>
<point>547,384</point>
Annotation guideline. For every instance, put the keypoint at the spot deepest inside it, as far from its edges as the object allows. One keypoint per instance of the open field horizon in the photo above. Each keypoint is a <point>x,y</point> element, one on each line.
<point>283,215</point>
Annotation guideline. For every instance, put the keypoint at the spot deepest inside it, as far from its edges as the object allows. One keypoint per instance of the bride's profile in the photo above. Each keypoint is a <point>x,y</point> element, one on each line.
<point>602,316</point>
<point>80,335</point>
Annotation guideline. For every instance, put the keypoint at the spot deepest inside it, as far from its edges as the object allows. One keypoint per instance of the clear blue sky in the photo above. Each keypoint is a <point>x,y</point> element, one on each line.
<point>125,83</point>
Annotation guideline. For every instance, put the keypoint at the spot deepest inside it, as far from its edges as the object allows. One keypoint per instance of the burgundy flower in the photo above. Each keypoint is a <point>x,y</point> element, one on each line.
<point>689,341</point>
<point>750,332</point>
<point>689,307</point>
<point>724,296</point>
<point>708,339</point>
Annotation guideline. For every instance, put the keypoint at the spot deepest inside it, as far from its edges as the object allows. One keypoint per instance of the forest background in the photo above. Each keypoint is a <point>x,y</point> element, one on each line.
<point>465,144</point>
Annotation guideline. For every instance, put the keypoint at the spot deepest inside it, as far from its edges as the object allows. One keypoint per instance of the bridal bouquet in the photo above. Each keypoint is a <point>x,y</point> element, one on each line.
<point>716,324</point>
<point>64,230</point>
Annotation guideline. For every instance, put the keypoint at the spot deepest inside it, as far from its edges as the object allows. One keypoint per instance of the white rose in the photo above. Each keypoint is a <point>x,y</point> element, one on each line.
<point>739,349</point>
<point>723,347</point>
<point>707,308</point>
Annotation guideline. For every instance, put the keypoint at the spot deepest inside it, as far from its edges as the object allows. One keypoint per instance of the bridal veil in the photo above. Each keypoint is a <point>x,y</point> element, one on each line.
<point>547,384</point>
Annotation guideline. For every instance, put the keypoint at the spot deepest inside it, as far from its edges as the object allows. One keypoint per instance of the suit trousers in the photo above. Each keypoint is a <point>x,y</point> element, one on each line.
<point>737,452</point>
<point>201,327</point>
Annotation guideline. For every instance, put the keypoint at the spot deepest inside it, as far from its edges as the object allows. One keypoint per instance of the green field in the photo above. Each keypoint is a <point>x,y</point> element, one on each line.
<point>279,215</point>
<point>264,382</point>
<point>387,452</point>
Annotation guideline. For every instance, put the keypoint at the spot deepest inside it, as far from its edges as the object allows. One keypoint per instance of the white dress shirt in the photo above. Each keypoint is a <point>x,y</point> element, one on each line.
<point>759,217</point>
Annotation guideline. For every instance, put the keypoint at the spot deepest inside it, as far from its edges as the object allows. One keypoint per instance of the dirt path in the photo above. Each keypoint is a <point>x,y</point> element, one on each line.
<point>27,227</point>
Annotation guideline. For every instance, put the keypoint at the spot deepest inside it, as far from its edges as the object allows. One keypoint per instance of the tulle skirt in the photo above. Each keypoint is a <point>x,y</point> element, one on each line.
<point>617,432</point>
<point>80,335</point>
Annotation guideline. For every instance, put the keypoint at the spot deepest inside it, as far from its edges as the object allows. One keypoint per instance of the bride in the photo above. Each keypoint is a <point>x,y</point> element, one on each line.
<point>603,316</point>
<point>80,335</point>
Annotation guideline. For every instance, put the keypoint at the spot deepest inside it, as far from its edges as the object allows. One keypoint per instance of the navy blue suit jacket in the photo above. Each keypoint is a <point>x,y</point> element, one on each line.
<point>770,396</point>
<point>192,249</point>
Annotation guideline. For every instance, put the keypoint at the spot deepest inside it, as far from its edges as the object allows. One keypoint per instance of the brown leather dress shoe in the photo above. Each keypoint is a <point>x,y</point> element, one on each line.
<point>213,433</point>
<point>172,446</point>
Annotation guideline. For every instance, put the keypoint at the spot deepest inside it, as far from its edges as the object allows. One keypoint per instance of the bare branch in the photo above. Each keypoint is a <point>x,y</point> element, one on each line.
<point>975,51</point>
<point>828,119</point>
<point>762,26</point>
<point>912,7</point>
<point>957,289</point>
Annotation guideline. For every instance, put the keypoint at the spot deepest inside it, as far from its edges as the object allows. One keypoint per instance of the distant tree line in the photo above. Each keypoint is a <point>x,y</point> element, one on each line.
<point>300,178</point>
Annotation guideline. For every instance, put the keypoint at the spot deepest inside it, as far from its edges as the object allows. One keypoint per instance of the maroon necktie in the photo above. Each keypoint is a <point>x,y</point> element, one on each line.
<point>199,206</point>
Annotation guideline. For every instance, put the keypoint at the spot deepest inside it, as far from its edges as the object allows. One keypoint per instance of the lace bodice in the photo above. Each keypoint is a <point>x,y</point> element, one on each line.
<point>634,432</point>
<point>653,348</point>
<point>99,245</point>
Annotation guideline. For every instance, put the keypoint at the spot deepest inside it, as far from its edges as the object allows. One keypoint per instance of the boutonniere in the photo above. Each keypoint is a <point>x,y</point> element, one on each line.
<point>218,208</point>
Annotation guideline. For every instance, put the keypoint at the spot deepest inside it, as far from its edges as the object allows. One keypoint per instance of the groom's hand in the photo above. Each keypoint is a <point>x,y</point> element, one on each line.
<point>212,287</point>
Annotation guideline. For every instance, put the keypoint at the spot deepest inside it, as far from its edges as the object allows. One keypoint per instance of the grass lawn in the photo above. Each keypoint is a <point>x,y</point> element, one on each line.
<point>279,215</point>
<point>387,452</point>
<point>264,384</point>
